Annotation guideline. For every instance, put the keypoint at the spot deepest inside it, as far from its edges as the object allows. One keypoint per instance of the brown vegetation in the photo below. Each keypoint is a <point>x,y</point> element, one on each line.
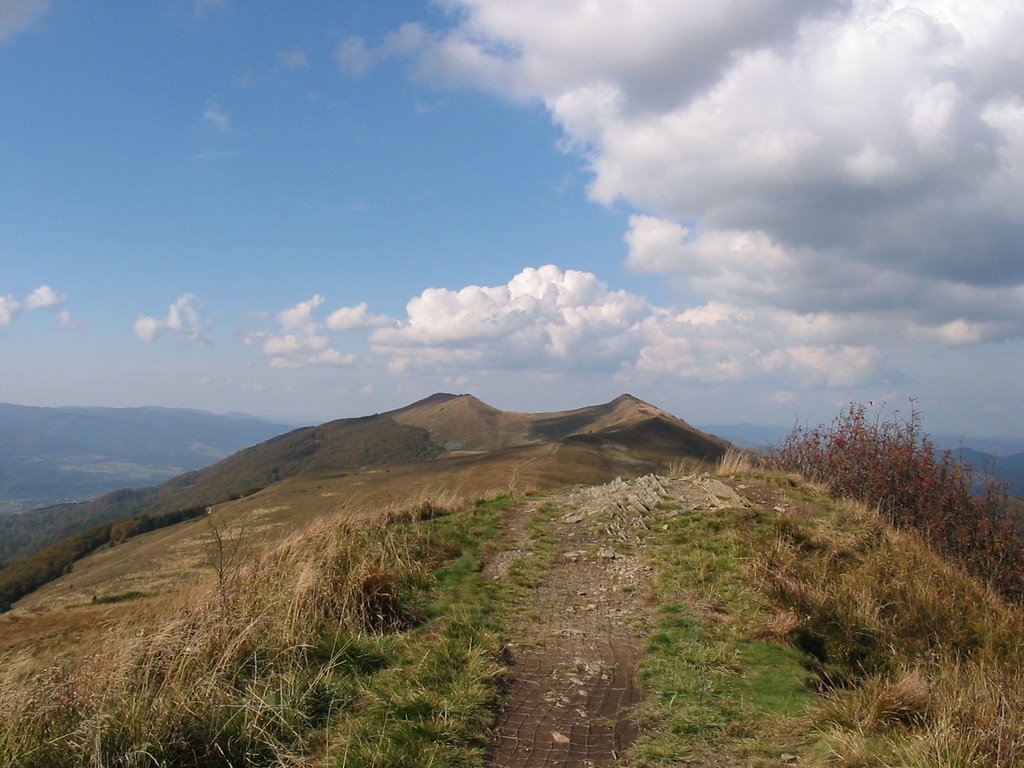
<point>918,664</point>
<point>891,465</point>
<point>237,674</point>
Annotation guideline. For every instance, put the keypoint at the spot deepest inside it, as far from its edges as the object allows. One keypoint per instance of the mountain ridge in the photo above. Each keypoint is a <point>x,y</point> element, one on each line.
<point>452,442</point>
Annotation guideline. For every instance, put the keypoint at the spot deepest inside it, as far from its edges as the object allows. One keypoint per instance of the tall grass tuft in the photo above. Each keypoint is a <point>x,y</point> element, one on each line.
<point>918,664</point>
<point>254,671</point>
<point>736,461</point>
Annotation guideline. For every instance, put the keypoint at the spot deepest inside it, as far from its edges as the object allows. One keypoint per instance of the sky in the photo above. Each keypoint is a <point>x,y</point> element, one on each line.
<point>739,211</point>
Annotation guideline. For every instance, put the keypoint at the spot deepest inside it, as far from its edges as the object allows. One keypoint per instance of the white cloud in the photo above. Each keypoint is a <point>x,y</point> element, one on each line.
<point>549,321</point>
<point>289,344</point>
<point>543,318</point>
<point>356,318</point>
<point>301,315</point>
<point>43,297</point>
<point>216,116</point>
<point>849,173</point>
<point>835,366</point>
<point>299,341</point>
<point>9,308</point>
<point>182,317</point>
<point>16,15</point>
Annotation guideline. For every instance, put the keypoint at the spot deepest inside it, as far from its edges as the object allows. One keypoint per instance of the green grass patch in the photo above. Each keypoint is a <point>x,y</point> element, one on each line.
<point>433,700</point>
<point>717,694</point>
<point>526,572</point>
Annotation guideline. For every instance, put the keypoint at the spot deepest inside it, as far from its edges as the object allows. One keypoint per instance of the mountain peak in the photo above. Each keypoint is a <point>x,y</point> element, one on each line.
<point>625,397</point>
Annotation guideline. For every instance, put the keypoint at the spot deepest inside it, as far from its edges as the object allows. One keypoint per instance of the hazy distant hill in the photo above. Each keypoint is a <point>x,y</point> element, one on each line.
<point>48,455</point>
<point>1007,469</point>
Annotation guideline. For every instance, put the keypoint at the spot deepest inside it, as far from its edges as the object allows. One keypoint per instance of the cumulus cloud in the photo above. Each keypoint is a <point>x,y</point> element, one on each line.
<point>301,315</point>
<point>299,340</point>
<point>43,297</point>
<point>845,171</point>
<point>549,321</point>
<point>542,318</point>
<point>356,318</point>
<point>182,317</point>
<point>16,15</point>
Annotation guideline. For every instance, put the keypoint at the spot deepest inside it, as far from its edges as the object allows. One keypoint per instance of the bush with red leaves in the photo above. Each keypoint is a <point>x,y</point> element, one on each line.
<point>891,464</point>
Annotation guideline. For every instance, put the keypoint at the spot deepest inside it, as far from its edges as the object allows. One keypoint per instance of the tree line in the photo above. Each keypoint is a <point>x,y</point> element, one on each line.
<point>25,575</point>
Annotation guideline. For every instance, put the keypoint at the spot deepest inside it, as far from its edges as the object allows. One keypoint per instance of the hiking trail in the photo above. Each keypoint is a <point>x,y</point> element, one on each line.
<point>576,638</point>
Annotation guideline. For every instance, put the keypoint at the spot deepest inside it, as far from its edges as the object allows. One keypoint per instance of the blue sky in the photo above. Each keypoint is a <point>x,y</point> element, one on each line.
<point>326,210</point>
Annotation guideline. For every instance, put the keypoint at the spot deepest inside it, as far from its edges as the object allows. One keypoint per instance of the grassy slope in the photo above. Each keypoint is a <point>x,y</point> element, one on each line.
<point>796,630</point>
<point>415,433</point>
<point>321,472</point>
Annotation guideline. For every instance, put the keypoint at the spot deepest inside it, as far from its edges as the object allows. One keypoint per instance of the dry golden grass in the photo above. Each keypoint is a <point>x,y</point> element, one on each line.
<point>919,664</point>
<point>175,558</point>
<point>240,666</point>
<point>736,461</point>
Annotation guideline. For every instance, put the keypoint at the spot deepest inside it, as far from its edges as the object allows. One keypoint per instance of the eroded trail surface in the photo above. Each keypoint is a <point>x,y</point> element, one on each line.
<point>578,635</point>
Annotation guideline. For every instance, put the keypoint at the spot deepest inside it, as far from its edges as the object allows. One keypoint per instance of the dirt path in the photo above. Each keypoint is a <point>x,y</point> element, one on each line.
<point>577,641</point>
<point>513,486</point>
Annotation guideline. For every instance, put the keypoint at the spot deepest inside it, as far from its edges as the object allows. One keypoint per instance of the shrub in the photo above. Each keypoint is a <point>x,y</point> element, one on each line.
<point>890,464</point>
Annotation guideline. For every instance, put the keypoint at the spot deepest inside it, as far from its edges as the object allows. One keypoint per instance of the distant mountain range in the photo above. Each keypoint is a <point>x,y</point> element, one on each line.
<point>51,455</point>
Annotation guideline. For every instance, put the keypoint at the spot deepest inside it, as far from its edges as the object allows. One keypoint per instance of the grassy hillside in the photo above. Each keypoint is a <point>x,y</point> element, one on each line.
<point>348,443</point>
<point>789,629</point>
<point>418,432</point>
<point>161,562</point>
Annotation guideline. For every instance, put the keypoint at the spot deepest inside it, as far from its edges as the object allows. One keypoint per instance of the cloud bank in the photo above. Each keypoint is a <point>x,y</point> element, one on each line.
<point>547,320</point>
<point>848,173</point>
